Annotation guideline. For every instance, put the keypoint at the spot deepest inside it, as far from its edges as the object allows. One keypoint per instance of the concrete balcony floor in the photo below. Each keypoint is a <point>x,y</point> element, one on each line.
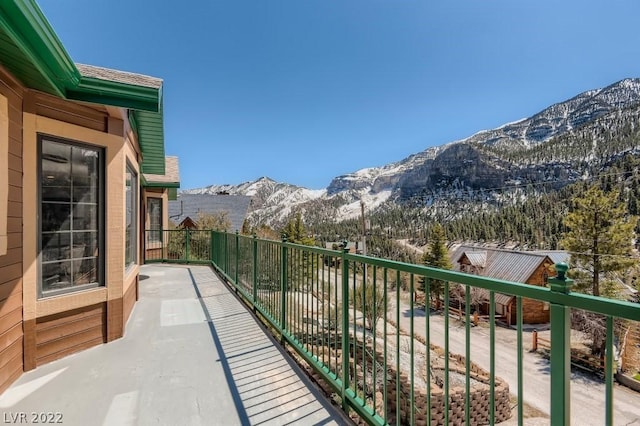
<point>192,355</point>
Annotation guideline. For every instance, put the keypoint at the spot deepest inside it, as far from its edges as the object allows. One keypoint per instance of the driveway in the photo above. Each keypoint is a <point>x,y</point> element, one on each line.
<point>587,393</point>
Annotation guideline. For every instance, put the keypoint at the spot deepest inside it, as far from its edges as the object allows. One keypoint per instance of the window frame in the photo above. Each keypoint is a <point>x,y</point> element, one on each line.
<point>131,247</point>
<point>154,234</point>
<point>41,138</point>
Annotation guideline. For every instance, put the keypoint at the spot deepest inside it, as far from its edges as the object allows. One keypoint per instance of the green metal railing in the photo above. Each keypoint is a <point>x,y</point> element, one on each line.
<point>178,245</point>
<point>385,358</point>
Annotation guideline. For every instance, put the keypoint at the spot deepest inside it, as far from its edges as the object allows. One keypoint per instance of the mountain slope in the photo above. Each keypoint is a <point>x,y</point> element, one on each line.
<point>564,142</point>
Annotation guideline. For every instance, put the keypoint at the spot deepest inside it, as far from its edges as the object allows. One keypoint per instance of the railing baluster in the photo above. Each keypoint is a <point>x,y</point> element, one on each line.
<point>520,361</point>
<point>467,354</point>
<point>188,245</point>
<point>237,262</point>
<point>398,385</point>
<point>412,350</point>
<point>254,279</point>
<point>427,336</point>
<point>364,332</point>
<point>345,328</point>
<point>446,351</point>
<point>609,371</point>
<point>375,337</point>
<point>384,361</point>
<point>283,290</point>
<point>492,357</point>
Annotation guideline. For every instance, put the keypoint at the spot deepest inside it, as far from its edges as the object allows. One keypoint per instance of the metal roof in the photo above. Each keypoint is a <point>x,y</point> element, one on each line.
<point>556,256</point>
<point>477,258</point>
<point>189,205</point>
<point>32,52</point>
<point>516,266</point>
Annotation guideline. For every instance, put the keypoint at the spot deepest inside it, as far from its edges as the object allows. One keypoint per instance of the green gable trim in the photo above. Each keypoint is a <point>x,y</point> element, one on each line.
<point>30,50</point>
<point>42,57</point>
<point>151,139</point>
<point>173,194</point>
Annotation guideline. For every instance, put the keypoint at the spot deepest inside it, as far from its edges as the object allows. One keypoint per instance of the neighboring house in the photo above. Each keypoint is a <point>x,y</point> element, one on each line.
<point>184,211</point>
<point>76,142</point>
<point>353,246</point>
<point>517,266</point>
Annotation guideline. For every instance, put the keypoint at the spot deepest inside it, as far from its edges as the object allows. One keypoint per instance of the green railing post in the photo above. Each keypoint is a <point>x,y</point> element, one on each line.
<point>188,244</point>
<point>211,246</point>
<point>255,272</point>
<point>345,327</point>
<point>226,253</point>
<point>560,350</point>
<point>235,275</point>
<point>283,288</point>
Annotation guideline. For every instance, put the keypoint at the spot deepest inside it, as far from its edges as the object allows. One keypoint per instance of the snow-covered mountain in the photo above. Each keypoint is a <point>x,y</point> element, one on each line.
<point>554,144</point>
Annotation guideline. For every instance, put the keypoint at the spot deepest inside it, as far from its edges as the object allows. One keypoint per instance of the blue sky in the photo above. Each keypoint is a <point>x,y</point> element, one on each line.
<point>303,91</point>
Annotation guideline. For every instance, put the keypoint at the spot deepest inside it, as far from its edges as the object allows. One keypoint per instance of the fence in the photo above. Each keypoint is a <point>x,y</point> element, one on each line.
<point>178,245</point>
<point>346,316</point>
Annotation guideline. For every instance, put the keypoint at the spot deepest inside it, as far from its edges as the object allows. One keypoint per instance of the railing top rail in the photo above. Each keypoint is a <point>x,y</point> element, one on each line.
<point>616,308</point>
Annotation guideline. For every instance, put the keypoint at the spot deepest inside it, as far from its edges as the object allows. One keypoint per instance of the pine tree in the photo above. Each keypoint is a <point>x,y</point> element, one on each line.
<point>296,232</point>
<point>304,263</point>
<point>437,256</point>
<point>599,239</point>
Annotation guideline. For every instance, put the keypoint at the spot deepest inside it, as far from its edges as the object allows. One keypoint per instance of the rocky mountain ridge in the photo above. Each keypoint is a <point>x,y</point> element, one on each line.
<point>558,145</point>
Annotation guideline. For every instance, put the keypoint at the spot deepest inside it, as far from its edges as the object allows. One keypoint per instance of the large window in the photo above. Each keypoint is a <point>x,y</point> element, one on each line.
<point>131,216</point>
<point>71,216</point>
<point>154,208</point>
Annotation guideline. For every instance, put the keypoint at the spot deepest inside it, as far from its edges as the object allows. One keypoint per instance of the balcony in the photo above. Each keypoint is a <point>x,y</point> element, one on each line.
<point>192,354</point>
<point>193,350</point>
<point>314,302</point>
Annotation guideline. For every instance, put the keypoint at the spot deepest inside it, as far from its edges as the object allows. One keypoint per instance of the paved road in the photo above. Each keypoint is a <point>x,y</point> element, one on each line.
<point>587,394</point>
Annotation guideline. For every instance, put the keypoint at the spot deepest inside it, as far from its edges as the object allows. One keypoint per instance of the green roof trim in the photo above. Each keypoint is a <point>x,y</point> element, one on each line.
<point>32,52</point>
<point>26,26</point>
<point>114,93</point>
<point>150,127</point>
<point>161,185</point>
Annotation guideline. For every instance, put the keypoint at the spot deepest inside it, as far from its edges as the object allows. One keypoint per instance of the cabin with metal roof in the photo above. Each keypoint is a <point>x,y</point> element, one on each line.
<point>185,209</point>
<point>516,266</point>
<point>81,155</point>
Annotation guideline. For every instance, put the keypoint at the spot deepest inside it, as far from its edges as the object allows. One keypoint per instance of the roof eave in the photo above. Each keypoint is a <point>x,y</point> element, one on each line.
<point>114,93</point>
<point>28,28</point>
<point>161,184</point>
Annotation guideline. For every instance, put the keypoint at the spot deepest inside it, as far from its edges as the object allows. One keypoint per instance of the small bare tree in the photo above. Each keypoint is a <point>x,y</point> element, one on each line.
<point>370,302</point>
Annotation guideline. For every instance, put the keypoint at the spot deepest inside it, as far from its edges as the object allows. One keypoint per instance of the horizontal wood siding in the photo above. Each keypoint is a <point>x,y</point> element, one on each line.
<point>130,300</point>
<point>11,318</point>
<point>69,112</point>
<point>62,334</point>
